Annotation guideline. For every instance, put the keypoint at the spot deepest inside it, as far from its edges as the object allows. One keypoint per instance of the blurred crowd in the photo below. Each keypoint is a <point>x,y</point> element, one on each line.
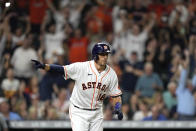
<point>153,53</point>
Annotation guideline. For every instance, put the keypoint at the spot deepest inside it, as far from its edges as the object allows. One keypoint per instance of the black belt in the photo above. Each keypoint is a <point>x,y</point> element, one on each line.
<point>85,108</point>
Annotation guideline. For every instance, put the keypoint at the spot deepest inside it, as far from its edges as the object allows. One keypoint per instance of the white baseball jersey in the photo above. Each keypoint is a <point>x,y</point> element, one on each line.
<point>91,87</point>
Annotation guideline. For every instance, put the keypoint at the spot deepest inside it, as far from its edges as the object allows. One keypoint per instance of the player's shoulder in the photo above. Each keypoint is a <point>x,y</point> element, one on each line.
<point>112,71</point>
<point>80,64</point>
<point>83,63</point>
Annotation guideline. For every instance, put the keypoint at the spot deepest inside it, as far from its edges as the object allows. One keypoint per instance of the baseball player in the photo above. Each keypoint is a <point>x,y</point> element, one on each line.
<point>94,81</point>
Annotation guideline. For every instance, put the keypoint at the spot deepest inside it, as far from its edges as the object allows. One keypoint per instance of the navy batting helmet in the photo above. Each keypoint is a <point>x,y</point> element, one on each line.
<point>100,48</point>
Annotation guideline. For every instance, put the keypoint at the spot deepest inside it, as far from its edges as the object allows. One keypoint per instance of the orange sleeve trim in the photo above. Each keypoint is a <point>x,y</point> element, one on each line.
<point>116,94</point>
<point>65,70</point>
<point>119,88</point>
<point>95,84</point>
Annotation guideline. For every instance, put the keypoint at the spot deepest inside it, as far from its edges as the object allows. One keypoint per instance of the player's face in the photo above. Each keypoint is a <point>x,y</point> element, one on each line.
<point>103,59</point>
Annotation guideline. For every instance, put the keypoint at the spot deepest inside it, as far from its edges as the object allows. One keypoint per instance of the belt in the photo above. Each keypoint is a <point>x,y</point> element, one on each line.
<point>85,108</point>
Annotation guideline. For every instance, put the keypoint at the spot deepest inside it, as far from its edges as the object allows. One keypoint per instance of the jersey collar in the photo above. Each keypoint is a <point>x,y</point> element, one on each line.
<point>95,69</point>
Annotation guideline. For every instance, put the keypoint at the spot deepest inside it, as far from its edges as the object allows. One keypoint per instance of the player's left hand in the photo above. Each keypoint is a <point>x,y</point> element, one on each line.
<point>38,64</point>
<point>117,110</point>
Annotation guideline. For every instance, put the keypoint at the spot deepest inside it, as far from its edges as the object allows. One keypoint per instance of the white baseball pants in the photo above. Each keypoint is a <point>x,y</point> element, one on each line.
<point>85,120</point>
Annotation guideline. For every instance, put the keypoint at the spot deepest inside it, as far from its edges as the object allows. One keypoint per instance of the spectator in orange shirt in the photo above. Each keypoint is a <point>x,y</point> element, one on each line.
<point>94,24</point>
<point>104,13</point>
<point>78,47</point>
<point>37,11</point>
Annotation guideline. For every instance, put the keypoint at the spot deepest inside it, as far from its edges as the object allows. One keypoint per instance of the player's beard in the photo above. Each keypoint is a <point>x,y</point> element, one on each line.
<point>103,63</point>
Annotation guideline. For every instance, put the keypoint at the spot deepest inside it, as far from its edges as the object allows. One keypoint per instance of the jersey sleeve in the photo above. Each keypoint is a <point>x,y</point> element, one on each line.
<point>114,89</point>
<point>72,71</point>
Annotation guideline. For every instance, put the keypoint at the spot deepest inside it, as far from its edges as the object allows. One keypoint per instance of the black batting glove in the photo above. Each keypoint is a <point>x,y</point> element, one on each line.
<point>38,65</point>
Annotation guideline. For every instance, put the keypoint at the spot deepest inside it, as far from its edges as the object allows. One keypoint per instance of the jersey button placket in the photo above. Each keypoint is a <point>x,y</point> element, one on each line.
<point>98,90</point>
